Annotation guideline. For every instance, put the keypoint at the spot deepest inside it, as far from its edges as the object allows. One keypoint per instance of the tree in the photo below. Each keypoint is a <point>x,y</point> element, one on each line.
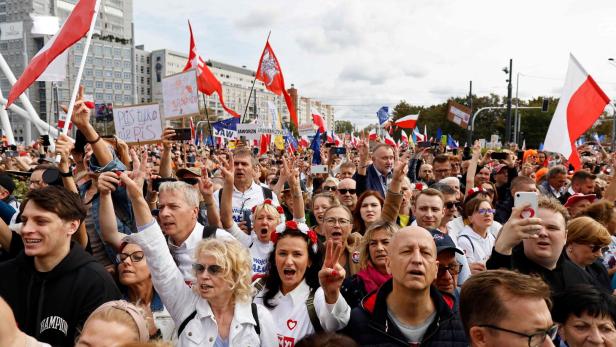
<point>343,127</point>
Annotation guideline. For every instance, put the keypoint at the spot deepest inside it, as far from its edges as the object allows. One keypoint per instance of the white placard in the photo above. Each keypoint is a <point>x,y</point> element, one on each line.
<point>180,95</point>
<point>306,129</point>
<point>318,169</point>
<point>11,31</point>
<point>225,133</point>
<point>44,25</point>
<point>254,131</point>
<point>139,123</point>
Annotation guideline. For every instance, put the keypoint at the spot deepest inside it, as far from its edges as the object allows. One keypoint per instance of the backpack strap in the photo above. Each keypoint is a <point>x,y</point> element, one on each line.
<point>185,322</point>
<point>312,313</point>
<point>267,193</point>
<point>259,285</point>
<point>255,315</point>
<point>469,240</point>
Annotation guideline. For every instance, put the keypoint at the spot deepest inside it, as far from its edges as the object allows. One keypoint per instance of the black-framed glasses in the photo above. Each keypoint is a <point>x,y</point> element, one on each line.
<point>453,269</point>
<point>451,204</point>
<point>329,188</point>
<point>343,191</point>
<point>595,248</point>
<point>534,340</point>
<point>135,257</point>
<point>211,269</point>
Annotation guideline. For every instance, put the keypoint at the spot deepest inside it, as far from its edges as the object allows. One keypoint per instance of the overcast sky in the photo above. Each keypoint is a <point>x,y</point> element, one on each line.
<point>360,55</point>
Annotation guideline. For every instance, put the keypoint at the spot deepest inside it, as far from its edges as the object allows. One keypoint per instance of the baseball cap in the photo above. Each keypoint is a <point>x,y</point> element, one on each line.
<point>7,182</point>
<point>578,197</point>
<point>188,170</point>
<point>444,242</point>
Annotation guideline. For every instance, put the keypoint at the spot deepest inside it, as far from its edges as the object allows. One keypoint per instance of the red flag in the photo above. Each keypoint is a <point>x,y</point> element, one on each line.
<point>318,120</point>
<point>76,26</point>
<point>265,141</point>
<point>580,105</point>
<point>407,122</point>
<point>270,73</point>
<point>372,135</point>
<point>206,81</point>
<point>62,120</point>
<point>389,140</point>
<point>303,142</point>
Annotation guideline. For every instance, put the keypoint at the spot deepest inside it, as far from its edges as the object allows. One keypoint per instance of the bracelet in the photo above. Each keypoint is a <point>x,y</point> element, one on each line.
<point>98,138</point>
<point>69,173</point>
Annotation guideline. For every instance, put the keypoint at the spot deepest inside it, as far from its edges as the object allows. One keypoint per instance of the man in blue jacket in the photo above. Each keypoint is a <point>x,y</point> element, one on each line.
<point>53,284</point>
<point>377,175</point>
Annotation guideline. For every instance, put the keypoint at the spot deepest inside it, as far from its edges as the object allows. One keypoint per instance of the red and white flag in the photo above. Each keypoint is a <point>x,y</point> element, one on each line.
<point>264,143</point>
<point>390,140</point>
<point>75,27</point>
<point>354,141</point>
<point>62,120</point>
<point>192,129</point>
<point>206,81</point>
<point>408,122</point>
<point>270,73</point>
<point>419,136</point>
<point>372,135</point>
<point>319,121</point>
<point>403,137</point>
<point>303,142</point>
<point>580,105</point>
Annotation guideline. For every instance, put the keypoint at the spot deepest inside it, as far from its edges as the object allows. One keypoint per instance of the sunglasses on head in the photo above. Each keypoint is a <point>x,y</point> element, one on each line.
<point>191,181</point>
<point>211,269</point>
<point>343,191</point>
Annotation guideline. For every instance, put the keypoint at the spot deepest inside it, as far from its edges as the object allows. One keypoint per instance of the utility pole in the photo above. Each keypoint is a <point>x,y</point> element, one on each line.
<point>470,106</point>
<point>508,118</point>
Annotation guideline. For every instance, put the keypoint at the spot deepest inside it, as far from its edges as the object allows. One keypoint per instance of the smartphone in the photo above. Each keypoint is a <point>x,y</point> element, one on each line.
<point>183,134</point>
<point>338,150</point>
<point>499,155</point>
<point>520,155</point>
<point>522,198</point>
<point>45,141</point>
<point>247,217</point>
<point>157,181</point>
<point>11,154</point>
<point>466,153</point>
<point>318,169</point>
<point>424,144</point>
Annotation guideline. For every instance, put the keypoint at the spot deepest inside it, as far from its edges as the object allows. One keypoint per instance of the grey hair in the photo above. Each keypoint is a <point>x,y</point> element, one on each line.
<point>556,170</point>
<point>449,180</point>
<point>191,194</point>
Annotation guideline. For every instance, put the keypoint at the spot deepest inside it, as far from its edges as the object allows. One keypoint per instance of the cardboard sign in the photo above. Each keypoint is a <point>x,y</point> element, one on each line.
<point>180,95</point>
<point>459,114</point>
<point>138,124</point>
<point>225,133</point>
<point>254,131</point>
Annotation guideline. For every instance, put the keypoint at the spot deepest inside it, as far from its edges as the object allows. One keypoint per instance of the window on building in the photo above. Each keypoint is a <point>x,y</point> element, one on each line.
<point>127,86</point>
<point>128,98</point>
<point>98,62</point>
<point>108,73</point>
<point>107,51</point>
<point>127,76</point>
<point>117,52</point>
<point>142,80</point>
<point>77,60</point>
<point>126,64</point>
<point>118,98</point>
<point>98,73</point>
<point>108,62</point>
<point>117,63</point>
<point>117,74</point>
<point>88,83</point>
<point>117,86</point>
<point>98,50</point>
<point>99,84</point>
<point>108,85</point>
<point>89,72</point>
<point>141,68</point>
<point>99,96</point>
<point>108,97</point>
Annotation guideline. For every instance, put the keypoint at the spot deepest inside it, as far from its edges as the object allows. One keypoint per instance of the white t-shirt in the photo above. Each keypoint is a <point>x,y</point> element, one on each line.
<point>476,248</point>
<point>245,201</point>
<point>259,251</point>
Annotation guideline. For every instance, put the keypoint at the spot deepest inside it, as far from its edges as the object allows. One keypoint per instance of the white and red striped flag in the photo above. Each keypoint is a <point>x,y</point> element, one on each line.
<point>372,135</point>
<point>408,122</point>
<point>75,27</point>
<point>390,140</point>
<point>580,105</point>
<point>319,121</point>
<point>403,137</point>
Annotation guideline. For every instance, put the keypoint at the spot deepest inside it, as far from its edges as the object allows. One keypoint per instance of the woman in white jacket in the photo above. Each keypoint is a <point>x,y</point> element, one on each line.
<point>217,311</point>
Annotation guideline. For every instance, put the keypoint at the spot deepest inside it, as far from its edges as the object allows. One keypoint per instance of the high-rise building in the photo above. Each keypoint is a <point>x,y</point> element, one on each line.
<point>109,71</point>
<point>143,83</point>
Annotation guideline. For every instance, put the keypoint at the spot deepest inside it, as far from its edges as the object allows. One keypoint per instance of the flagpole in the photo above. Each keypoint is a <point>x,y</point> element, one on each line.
<point>207,117</point>
<point>253,86</point>
<point>6,124</point>
<point>82,64</point>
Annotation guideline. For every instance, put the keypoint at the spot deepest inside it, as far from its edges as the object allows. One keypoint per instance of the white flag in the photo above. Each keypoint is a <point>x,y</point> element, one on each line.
<point>56,71</point>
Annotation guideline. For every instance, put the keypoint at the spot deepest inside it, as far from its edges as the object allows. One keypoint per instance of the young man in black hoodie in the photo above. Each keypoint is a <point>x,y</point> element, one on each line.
<point>53,285</point>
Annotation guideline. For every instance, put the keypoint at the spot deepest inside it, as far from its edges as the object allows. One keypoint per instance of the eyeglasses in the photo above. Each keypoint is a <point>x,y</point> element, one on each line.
<point>453,269</point>
<point>534,340</point>
<point>595,248</point>
<point>451,204</point>
<point>486,211</point>
<point>329,188</point>
<point>343,191</point>
<point>341,221</point>
<point>211,269</point>
<point>489,191</point>
<point>135,257</point>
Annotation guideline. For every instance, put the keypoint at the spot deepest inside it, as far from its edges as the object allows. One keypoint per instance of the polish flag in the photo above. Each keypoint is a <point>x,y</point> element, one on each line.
<point>337,141</point>
<point>420,137</point>
<point>580,105</point>
<point>303,142</point>
<point>192,129</point>
<point>390,140</point>
<point>76,26</point>
<point>318,120</point>
<point>62,120</point>
<point>264,145</point>
<point>372,135</point>
<point>408,122</point>
<point>403,137</point>
<point>354,141</point>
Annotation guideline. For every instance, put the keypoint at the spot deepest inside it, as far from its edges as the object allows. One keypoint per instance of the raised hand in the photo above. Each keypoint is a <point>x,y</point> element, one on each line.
<point>517,229</point>
<point>168,135</point>
<point>64,146</point>
<point>332,273</point>
<point>206,187</point>
<point>401,167</point>
<point>140,168</point>
<point>227,168</point>
<point>364,151</point>
<point>81,111</point>
<point>107,182</point>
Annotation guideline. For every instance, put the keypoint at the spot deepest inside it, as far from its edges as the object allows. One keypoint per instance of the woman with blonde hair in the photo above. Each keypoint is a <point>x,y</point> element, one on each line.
<point>372,261</point>
<point>217,311</point>
<point>587,240</point>
<point>113,323</point>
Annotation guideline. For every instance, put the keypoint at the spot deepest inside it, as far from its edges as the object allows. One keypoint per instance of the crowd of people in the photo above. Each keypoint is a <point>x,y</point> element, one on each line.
<point>173,244</point>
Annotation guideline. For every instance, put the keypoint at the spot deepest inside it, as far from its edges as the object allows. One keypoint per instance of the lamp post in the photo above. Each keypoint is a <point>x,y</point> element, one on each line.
<point>611,61</point>
<point>509,90</point>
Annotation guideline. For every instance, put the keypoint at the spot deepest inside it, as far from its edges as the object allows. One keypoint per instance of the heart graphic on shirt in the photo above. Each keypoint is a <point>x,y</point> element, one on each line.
<point>291,324</point>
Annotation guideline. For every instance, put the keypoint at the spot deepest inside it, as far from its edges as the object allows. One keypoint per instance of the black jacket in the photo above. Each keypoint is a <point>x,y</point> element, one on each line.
<point>370,324</point>
<point>51,306</point>
<point>370,181</point>
<point>564,275</point>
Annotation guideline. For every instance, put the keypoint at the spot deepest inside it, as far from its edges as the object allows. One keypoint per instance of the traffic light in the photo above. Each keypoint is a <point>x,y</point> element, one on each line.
<point>545,105</point>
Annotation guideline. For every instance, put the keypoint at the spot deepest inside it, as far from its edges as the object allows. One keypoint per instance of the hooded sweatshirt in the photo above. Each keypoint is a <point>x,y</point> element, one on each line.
<point>52,306</point>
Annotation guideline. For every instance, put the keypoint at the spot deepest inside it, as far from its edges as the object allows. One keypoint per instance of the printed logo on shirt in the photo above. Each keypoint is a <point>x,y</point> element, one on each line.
<point>291,324</point>
<point>259,266</point>
<point>355,257</point>
<point>285,341</point>
<point>55,323</point>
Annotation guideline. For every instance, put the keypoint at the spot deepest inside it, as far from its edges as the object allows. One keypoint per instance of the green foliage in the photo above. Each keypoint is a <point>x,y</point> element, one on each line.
<point>343,127</point>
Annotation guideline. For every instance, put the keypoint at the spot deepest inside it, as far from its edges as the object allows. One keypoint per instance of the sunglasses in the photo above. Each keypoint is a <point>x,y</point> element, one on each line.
<point>486,211</point>
<point>135,257</point>
<point>450,205</point>
<point>343,191</point>
<point>211,269</point>
<point>191,181</point>
<point>595,248</point>
<point>453,269</point>
<point>329,188</point>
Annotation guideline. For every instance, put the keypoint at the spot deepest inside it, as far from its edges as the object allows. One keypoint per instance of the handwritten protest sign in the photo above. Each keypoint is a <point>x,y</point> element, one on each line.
<point>139,123</point>
<point>180,95</point>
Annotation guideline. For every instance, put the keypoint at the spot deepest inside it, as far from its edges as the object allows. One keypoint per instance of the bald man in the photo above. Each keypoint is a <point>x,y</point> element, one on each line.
<point>407,310</point>
<point>347,193</point>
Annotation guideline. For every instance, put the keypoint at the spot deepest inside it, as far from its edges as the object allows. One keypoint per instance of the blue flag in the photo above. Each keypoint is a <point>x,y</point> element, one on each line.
<point>315,145</point>
<point>414,137</point>
<point>210,141</point>
<point>451,143</point>
<point>541,146</point>
<point>383,114</point>
<point>439,134</point>
<point>229,124</point>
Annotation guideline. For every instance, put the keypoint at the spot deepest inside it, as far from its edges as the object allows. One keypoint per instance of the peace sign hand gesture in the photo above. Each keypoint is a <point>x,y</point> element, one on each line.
<point>332,273</point>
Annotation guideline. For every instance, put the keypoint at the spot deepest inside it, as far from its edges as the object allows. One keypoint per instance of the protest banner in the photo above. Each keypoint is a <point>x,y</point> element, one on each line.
<point>138,123</point>
<point>459,114</point>
<point>254,131</point>
<point>225,133</point>
<point>306,129</point>
<point>180,95</point>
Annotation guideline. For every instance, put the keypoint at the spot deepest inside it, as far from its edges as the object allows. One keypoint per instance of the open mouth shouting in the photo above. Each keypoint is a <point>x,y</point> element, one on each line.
<point>288,274</point>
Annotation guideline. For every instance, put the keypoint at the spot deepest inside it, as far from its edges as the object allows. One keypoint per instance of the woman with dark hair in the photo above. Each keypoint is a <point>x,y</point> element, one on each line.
<point>586,315</point>
<point>367,211</point>
<point>302,290</point>
<point>475,239</point>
